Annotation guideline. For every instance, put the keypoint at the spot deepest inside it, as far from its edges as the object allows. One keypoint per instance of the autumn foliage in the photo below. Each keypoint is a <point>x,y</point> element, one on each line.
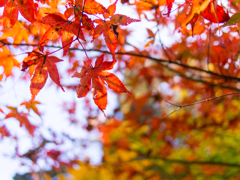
<point>177,114</point>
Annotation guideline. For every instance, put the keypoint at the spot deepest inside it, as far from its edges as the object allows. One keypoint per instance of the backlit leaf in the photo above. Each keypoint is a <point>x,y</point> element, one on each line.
<point>97,77</point>
<point>10,14</point>
<point>38,80</point>
<point>28,9</point>
<point>222,16</point>
<point>90,7</point>
<point>3,2</point>
<point>169,6</point>
<point>123,20</point>
<point>60,26</point>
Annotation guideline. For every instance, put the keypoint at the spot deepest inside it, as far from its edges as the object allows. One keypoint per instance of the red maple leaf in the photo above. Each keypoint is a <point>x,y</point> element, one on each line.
<point>208,10</point>
<point>98,78</point>
<point>10,14</point>
<point>108,27</point>
<point>60,26</point>
<point>4,132</point>
<point>27,8</point>
<point>22,118</point>
<point>221,15</point>
<point>169,6</point>
<point>44,65</point>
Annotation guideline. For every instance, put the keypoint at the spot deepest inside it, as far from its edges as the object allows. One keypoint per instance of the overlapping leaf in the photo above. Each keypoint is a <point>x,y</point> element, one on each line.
<point>207,10</point>
<point>60,26</point>
<point>22,118</point>
<point>90,7</point>
<point>108,27</point>
<point>44,65</point>
<point>97,77</point>
<point>221,15</point>
<point>27,8</point>
<point>10,14</point>
<point>169,6</point>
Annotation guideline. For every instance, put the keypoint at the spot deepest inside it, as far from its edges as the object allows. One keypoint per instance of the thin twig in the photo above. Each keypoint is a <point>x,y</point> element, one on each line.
<point>195,103</point>
<point>200,80</point>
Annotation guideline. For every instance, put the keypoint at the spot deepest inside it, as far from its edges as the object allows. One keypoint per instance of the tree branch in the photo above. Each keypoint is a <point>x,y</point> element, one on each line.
<point>202,101</point>
<point>195,103</point>
<point>136,55</point>
<point>201,81</point>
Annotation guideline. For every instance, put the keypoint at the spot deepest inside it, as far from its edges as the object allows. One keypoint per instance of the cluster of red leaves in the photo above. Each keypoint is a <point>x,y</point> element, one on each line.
<point>27,8</point>
<point>60,26</point>
<point>207,9</point>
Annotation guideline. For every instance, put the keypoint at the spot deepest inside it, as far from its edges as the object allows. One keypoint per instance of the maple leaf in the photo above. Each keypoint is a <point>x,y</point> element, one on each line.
<point>60,26</point>
<point>110,37</point>
<point>10,14</point>
<point>196,8</point>
<point>4,132</point>
<point>98,78</point>
<point>207,10</point>
<point>221,15</point>
<point>7,61</point>
<point>31,106</point>
<point>169,6</point>
<point>108,27</point>
<point>90,7</point>
<point>27,8</point>
<point>22,118</point>
<point>44,65</point>
<point>19,32</point>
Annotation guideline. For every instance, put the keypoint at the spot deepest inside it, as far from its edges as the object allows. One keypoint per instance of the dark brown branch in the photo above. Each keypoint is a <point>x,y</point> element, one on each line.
<point>195,103</point>
<point>137,55</point>
<point>202,101</point>
<point>201,81</point>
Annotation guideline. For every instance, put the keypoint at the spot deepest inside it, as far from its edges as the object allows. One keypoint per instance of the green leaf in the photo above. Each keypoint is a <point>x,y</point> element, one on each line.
<point>235,19</point>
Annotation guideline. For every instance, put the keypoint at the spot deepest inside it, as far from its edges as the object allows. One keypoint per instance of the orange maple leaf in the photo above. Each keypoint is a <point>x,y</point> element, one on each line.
<point>90,7</point>
<point>44,65</point>
<point>60,26</point>
<point>208,9</point>
<point>10,14</point>
<point>97,76</point>
<point>108,27</point>
<point>27,8</point>
<point>7,61</point>
<point>32,106</point>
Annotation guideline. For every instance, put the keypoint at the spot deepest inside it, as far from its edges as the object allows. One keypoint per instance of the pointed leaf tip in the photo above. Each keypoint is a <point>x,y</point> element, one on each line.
<point>97,77</point>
